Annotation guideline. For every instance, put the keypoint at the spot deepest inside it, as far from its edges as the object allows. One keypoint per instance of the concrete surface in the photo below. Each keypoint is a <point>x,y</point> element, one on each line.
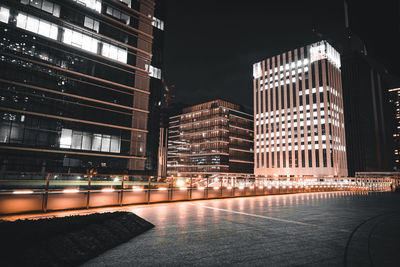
<point>317,229</point>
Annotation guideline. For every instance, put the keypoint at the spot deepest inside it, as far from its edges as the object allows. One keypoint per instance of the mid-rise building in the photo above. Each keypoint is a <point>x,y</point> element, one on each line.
<point>298,114</point>
<point>215,137</point>
<point>75,84</point>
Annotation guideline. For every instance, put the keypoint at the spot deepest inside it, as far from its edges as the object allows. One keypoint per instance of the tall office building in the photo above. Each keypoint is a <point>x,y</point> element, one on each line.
<point>368,116</point>
<point>395,101</point>
<point>156,98</point>
<point>75,84</point>
<point>212,138</point>
<point>298,112</point>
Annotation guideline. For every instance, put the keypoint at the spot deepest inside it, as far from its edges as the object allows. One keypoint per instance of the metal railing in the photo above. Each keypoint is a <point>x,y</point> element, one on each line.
<point>56,192</point>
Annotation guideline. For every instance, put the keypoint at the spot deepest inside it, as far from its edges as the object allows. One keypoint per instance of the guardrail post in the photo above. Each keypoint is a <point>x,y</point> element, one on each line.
<point>206,190</point>
<point>88,191</point>
<point>191,187</point>
<point>220,188</point>
<point>46,193</point>
<point>148,190</point>
<point>245,186</point>
<point>122,191</point>
<point>233,186</point>
<point>172,187</point>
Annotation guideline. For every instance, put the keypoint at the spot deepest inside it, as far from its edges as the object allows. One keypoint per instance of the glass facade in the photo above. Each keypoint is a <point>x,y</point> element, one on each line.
<point>213,137</point>
<point>157,97</point>
<point>74,86</point>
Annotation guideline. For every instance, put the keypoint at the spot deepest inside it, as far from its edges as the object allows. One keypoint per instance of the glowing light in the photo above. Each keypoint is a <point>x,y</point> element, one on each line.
<point>180,183</point>
<point>183,188</point>
<point>251,187</point>
<point>137,189</point>
<point>73,190</point>
<point>162,188</point>
<point>200,188</point>
<point>229,187</point>
<point>216,187</point>
<point>23,192</point>
<point>108,190</point>
<point>241,187</point>
<point>261,187</point>
<point>269,187</point>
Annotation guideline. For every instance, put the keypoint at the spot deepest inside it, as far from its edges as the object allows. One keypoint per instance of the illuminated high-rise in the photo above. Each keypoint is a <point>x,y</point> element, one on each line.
<point>298,114</point>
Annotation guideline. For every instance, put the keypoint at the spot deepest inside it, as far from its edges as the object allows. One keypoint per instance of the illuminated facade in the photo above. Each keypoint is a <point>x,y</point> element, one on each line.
<point>75,84</point>
<point>209,138</point>
<point>298,112</point>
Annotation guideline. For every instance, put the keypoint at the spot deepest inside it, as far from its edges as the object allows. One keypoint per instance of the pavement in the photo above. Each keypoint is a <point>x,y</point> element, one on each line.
<point>312,229</point>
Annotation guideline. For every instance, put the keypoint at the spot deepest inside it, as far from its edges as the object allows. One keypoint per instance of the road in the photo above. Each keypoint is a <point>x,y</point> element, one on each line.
<point>315,229</point>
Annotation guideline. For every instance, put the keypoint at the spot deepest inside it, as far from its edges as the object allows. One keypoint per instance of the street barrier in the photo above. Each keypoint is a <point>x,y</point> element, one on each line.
<point>56,192</point>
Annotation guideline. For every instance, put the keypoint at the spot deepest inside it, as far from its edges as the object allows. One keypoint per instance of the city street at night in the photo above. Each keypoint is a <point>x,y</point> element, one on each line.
<point>316,229</point>
<point>194,133</point>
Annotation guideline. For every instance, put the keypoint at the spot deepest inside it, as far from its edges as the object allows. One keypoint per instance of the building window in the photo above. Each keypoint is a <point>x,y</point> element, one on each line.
<point>44,5</point>
<point>90,44</point>
<point>126,2</point>
<point>87,141</point>
<point>91,24</point>
<point>159,24</point>
<point>154,72</point>
<point>92,4</point>
<point>118,14</point>
<point>114,52</point>
<point>4,14</point>
<point>81,40</point>
<point>36,25</point>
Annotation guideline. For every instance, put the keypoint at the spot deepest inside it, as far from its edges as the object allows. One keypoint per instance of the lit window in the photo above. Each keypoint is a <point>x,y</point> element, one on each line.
<point>127,2</point>
<point>118,14</point>
<point>4,14</point>
<point>154,72</point>
<point>88,141</point>
<point>91,24</point>
<point>37,25</point>
<point>81,40</point>
<point>92,4</point>
<point>44,5</point>
<point>66,138</point>
<point>158,23</point>
<point>114,52</point>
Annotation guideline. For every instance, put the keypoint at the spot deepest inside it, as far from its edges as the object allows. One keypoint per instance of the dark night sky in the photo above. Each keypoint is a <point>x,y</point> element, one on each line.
<point>210,46</point>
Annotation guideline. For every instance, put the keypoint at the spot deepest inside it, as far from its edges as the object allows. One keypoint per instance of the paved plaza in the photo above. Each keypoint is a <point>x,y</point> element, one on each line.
<point>319,229</point>
<point>316,229</point>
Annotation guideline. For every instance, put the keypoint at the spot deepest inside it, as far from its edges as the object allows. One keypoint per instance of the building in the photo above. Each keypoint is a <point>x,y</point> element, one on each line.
<point>395,101</point>
<point>365,83</point>
<point>298,110</point>
<point>156,99</point>
<point>75,84</point>
<point>368,116</point>
<point>208,139</point>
